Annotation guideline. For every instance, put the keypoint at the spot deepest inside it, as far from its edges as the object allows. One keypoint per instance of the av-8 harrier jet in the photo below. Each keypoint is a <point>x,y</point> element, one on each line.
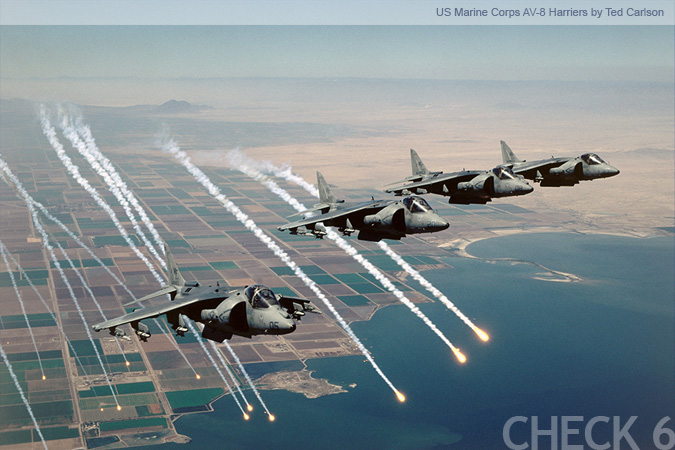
<point>375,219</point>
<point>224,311</point>
<point>465,187</point>
<point>564,171</point>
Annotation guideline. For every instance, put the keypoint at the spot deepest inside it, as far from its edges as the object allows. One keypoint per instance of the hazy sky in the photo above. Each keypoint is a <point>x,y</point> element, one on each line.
<point>612,53</point>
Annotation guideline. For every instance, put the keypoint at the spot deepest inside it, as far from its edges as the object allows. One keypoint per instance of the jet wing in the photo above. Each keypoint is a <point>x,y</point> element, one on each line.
<point>335,214</point>
<point>151,311</point>
<point>529,168</point>
<point>435,183</point>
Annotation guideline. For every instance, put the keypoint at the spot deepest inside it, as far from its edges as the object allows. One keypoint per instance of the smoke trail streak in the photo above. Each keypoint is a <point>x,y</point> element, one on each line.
<point>237,157</point>
<point>230,374</point>
<point>25,276</point>
<point>192,326</point>
<point>164,327</point>
<point>248,379</point>
<point>23,308</point>
<point>23,397</point>
<point>171,147</point>
<point>85,285</point>
<point>114,187</point>
<point>50,133</point>
<point>74,171</point>
<point>431,288</point>
<point>85,132</point>
<point>351,251</point>
<point>30,202</point>
<point>70,133</point>
<point>26,197</point>
<point>50,249</point>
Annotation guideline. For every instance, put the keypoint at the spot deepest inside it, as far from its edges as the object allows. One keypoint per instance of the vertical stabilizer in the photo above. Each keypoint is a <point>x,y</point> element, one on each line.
<point>507,155</point>
<point>325,194</point>
<point>175,278</point>
<point>418,167</point>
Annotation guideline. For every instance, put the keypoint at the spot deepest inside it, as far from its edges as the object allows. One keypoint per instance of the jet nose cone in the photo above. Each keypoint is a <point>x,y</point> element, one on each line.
<point>527,189</point>
<point>611,171</point>
<point>443,224</point>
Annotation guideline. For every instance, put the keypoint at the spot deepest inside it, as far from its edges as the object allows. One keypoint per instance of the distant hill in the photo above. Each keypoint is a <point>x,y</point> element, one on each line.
<point>180,107</point>
<point>654,152</point>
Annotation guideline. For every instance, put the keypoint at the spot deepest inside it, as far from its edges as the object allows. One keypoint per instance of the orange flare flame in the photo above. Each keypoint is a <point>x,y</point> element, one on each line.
<point>119,408</point>
<point>128,364</point>
<point>199,377</point>
<point>44,377</point>
<point>272,418</point>
<point>460,356</point>
<point>249,407</point>
<point>246,416</point>
<point>401,397</point>
<point>482,334</point>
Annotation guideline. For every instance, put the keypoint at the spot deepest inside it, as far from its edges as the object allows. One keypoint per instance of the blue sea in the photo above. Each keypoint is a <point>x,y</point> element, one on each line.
<point>602,346</point>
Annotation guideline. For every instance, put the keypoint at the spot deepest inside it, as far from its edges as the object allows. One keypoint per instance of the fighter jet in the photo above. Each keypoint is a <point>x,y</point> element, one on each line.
<point>224,311</point>
<point>375,220</point>
<point>465,187</point>
<point>565,171</point>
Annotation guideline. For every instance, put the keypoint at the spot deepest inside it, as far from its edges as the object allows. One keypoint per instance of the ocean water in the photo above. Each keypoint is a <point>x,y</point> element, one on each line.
<point>603,346</point>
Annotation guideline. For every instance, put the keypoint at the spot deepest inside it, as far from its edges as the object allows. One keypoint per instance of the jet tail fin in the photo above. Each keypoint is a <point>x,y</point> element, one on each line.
<point>418,167</point>
<point>325,193</point>
<point>508,157</point>
<point>175,278</point>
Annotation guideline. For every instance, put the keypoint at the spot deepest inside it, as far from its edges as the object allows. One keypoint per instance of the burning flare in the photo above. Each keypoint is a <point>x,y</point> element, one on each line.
<point>460,356</point>
<point>128,364</point>
<point>119,408</point>
<point>44,377</point>
<point>482,334</point>
<point>249,407</point>
<point>246,416</point>
<point>272,417</point>
<point>199,377</point>
<point>401,397</point>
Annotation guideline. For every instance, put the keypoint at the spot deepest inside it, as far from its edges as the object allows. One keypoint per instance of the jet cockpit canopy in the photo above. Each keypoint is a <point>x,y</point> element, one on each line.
<point>592,159</point>
<point>416,204</point>
<point>261,296</point>
<point>504,173</point>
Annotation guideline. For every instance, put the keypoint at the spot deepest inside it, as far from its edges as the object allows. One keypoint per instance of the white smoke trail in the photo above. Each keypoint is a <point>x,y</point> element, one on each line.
<point>248,379</point>
<point>50,133</point>
<point>70,133</point>
<point>50,249</point>
<point>22,193</point>
<point>26,197</point>
<point>237,157</point>
<point>351,251</point>
<point>25,276</point>
<point>23,397</point>
<point>171,147</point>
<point>229,373</point>
<point>85,285</point>
<point>23,308</point>
<point>74,171</point>
<point>85,132</point>
<point>431,288</point>
<point>192,328</point>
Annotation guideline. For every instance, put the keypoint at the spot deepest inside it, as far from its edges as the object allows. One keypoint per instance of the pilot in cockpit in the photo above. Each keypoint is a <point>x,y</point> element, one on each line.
<point>504,173</point>
<point>592,159</point>
<point>416,204</point>
<point>261,297</point>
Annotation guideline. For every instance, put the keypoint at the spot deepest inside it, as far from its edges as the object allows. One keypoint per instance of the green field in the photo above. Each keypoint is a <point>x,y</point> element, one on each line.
<point>194,397</point>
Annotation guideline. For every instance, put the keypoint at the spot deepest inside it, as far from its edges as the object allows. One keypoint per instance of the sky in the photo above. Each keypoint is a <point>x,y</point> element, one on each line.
<point>571,53</point>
